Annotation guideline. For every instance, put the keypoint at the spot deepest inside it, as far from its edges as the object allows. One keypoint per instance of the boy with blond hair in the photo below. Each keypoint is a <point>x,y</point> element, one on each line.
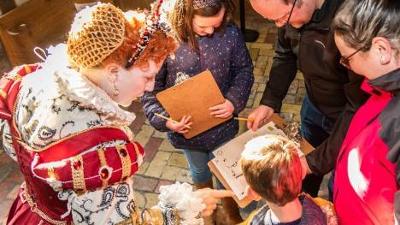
<point>272,168</point>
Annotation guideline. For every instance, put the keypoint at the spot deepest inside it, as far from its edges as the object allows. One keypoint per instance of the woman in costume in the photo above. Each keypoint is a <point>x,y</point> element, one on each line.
<point>62,122</point>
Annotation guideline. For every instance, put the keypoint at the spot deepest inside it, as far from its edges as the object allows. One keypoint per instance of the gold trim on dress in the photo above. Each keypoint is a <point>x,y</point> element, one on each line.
<point>70,136</point>
<point>28,69</point>
<point>52,174</point>
<point>3,94</point>
<point>153,216</point>
<point>103,166</point>
<point>25,197</point>
<point>125,161</point>
<point>78,176</point>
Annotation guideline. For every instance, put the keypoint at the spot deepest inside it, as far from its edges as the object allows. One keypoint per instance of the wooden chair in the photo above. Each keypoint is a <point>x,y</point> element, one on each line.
<point>34,23</point>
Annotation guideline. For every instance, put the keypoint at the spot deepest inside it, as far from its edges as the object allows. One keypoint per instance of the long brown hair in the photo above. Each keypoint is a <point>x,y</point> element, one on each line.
<point>182,18</point>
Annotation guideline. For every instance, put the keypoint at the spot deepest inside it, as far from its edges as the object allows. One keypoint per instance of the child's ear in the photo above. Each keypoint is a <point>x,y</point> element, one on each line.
<point>252,194</point>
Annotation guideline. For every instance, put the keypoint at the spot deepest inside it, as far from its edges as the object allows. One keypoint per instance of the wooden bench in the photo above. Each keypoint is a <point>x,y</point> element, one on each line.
<point>41,23</point>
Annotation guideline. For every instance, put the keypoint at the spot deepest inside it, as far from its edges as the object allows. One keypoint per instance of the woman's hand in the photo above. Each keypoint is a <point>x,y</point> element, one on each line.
<point>223,110</point>
<point>211,198</point>
<point>182,127</point>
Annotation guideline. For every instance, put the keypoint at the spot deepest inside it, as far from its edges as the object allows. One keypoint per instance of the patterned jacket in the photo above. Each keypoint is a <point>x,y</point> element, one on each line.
<point>318,212</point>
<point>226,56</point>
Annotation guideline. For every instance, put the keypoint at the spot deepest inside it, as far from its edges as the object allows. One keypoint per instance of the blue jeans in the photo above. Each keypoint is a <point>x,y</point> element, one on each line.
<point>198,165</point>
<point>315,128</point>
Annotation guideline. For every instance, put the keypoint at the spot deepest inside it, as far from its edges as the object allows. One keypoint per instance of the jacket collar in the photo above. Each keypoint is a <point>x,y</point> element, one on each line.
<point>320,20</point>
<point>327,10</point>
<point>389,82</point>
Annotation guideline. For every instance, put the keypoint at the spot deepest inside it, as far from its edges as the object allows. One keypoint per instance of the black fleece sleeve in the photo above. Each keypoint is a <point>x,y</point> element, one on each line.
<point>322,160</point>
<point>283,72</point>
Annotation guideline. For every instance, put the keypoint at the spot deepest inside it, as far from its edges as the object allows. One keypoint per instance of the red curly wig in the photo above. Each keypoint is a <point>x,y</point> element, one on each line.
<point>159,47</point>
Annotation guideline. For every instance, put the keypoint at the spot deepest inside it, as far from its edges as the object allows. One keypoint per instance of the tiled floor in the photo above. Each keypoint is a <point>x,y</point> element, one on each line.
<point>164,164</point>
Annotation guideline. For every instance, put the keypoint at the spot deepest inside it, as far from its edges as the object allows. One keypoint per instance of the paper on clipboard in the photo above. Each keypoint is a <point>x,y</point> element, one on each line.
<point>225,166</point>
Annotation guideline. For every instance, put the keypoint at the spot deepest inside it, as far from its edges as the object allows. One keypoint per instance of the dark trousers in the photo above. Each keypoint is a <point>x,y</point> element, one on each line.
<point>315,128</point>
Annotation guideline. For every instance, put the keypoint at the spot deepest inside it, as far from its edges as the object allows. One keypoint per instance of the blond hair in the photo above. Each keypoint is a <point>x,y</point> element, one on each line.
<point>272,168</point>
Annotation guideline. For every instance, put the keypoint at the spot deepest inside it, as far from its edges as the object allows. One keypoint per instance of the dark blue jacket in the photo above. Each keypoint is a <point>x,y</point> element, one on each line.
<point>226,56</point>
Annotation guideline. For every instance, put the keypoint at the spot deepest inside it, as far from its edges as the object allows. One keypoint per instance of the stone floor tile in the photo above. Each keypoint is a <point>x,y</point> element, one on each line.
<point>158,164</point>
<point>13,193</point>
<point>254,53</point>
<point>142,183</point>
<point>260,79</point>
<point>140,199</point>
<point>299,76</point>
<point>151,148</point>
<point>158,134</point>
<point>184,176</point>
<point>154,170</point>
<point>261,62</point>
<point>144,134</point>
<point>270,38</point>
<point>5,205</point>
<point>261,87</point>
<point>268,67</point>
<point>162,157</point>
<point>299,100</point>
<point>171,173</point>
<point>178,160</point>
<point>257,99</point>
<point>162,183</point>
<point>291,108</point>
<point>290,99</point>
<point>258,71</point>
<point>143,168</point>
<point>151,199</point>
<point>167,146</point>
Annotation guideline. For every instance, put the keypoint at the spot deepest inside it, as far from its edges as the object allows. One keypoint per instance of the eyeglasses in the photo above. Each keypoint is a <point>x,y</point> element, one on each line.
<point>345,61</point>
<point>288,15</point>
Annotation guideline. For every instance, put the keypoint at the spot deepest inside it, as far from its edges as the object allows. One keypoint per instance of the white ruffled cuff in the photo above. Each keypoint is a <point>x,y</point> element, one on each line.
<point>181,197</point>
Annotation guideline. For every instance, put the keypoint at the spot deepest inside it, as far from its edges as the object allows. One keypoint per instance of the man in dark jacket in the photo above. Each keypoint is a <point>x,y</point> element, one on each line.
<point>333,94</point>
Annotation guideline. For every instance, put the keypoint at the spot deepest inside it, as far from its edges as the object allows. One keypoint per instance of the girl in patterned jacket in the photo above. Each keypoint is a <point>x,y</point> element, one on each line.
<point>208,41</point>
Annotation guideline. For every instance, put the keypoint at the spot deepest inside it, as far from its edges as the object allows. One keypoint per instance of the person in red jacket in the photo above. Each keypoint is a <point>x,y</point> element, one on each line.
<point>367,170</point>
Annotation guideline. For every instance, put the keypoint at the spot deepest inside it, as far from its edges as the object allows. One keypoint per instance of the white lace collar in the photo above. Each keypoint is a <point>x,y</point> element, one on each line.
<point>78,88</point>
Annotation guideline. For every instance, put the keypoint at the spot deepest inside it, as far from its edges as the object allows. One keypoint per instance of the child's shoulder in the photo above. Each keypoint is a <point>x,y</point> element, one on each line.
<point>256,217</point>
<point>232,28</point>
<point>318,210</point>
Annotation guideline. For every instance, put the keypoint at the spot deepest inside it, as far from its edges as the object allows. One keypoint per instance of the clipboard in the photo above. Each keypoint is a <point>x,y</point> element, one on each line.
<point>194,97</point>
<point>230,175</point>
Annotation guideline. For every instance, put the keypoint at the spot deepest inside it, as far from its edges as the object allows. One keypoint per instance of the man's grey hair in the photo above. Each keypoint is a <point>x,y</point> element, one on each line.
<point>359,21</point>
